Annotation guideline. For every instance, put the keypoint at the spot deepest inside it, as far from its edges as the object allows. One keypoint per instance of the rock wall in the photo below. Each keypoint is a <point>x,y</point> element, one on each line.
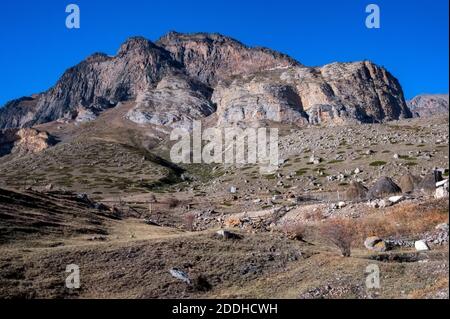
<point>183,77</point>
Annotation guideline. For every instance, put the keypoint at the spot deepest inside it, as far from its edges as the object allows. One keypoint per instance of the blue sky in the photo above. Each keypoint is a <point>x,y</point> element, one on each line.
<point>412,42</point>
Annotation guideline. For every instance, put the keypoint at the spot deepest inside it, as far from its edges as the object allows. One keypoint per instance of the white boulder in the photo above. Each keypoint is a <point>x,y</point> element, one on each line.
<point>395,199</point>
<point>441,190</point>
<point>341,204</point>
<point>421,245</point>
<point>442,183</point>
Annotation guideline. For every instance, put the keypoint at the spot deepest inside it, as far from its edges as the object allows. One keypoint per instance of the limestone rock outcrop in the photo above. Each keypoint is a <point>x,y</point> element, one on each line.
<point>23,141</point>
<point>182,77</point>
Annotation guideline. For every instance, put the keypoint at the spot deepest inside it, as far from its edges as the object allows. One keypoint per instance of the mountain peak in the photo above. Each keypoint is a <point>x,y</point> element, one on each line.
<point>212,57</point>
<point>205,69</point>
<point>97,57</point>
<point>197,36</point>
<point>426,105</point>
<point>136,43</point>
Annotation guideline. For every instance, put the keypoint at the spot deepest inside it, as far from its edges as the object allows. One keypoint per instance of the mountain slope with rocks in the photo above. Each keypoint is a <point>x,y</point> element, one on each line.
<point>107,196</point>
<point>427,105</point>
<point>183,77</point>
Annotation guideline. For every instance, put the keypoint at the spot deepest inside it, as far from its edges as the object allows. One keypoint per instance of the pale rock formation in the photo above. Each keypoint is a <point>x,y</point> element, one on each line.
<point>23,141</point>
<point>183,77</point>
<point>429,104</point>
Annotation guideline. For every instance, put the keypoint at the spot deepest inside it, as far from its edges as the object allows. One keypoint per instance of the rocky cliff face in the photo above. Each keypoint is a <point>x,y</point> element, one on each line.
<point>97,83</point>
<point>23,141</point>
<point>334,94</point>
<point>183,77</point>
<point>429,104</point>
<point>176,102</point>
<point>211,58</point>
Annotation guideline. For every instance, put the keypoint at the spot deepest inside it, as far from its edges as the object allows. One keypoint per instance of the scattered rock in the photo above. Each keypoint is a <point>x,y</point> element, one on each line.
<point>356,191</point>
<point>396,199</point>
<point>335,290</point>
<point>341,204</point>
<point>443,227</point>
<point>428,183</point>
<point>437,237</point>
<point>151,222</point>
<point>441,192</point>
<point>375,243</point>
<point>409,182</point>
<point>442,183</point>
<point>382,188</point>
<point>83,197</point>
<point>379,203</point>
<point>98,238</point>
<point>395,242</point>
<point>225,234</point>
<point>421,245</point>
<point>277,197</point>
<point>380,246</point>
<point>84,115</point>
<point>315,160</point>
<point>181,275</point>
<point>99,206</point>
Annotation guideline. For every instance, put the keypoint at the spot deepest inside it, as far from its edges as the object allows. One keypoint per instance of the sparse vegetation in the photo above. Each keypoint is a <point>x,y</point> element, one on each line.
<point>341,233</point>
<point>294,230</point>
<point>140,241</point>
<point>201,284</point>
<point>404,220</point>
<point>189,220</point>
<point>378,163</point>
<point>172,202</point>
<point>302,171</point>
<point>410,164</point>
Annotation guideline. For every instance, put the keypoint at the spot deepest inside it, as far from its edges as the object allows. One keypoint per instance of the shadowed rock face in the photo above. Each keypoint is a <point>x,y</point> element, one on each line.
<point>429,104</point>
<point>97,83</point>
<point>212,72</point>
<point>385,186</point>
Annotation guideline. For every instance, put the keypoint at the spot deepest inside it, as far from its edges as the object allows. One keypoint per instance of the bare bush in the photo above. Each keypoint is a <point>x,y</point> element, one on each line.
<point>341,233</point>
<point>405,220</point>
<point>315,215</point>
<point>294,230</point>
<point>189,221</point>
<point>201,283</point>
<point>152,198</point>
<point>172,202</point>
